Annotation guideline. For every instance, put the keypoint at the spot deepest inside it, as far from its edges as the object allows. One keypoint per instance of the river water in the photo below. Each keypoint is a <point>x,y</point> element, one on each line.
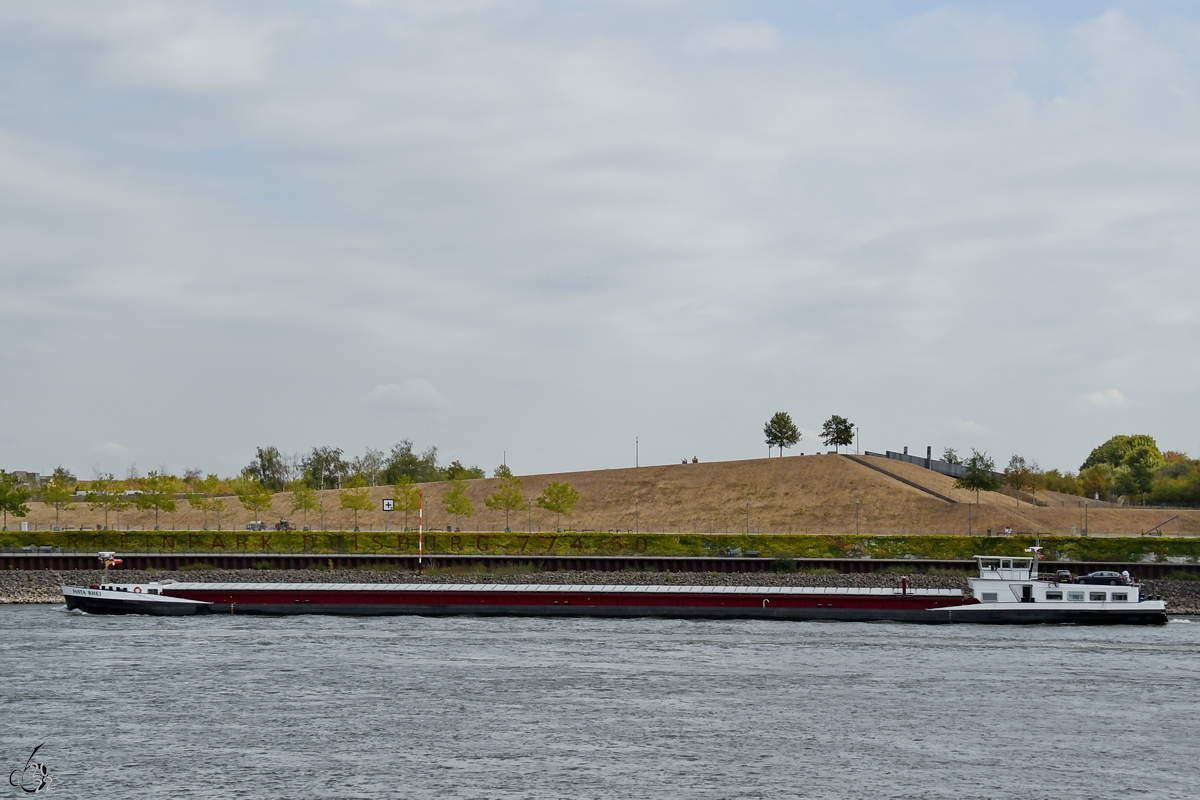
<point>408,707</point>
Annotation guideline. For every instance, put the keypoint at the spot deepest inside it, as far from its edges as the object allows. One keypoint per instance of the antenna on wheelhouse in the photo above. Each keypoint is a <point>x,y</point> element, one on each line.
<point>1036,550</point>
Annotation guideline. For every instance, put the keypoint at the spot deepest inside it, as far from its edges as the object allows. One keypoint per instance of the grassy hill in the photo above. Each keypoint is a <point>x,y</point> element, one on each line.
<point>796,495</point>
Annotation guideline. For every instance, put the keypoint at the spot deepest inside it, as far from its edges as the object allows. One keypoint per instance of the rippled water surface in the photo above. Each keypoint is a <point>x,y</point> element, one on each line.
<point>406,707</point>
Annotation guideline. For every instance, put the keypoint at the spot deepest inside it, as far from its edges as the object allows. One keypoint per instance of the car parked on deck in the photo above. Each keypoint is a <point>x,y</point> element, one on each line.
<point>1104,578</point>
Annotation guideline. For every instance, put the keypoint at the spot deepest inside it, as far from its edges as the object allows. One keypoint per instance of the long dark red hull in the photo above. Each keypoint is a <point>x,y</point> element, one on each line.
<point>678,602</point>
<point>725,602</point>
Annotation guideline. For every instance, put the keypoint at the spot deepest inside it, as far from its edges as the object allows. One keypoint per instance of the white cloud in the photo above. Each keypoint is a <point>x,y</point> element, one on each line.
<point>111,449</point>
<point>967,34</point>
<point>735,37</point>
<point>1106,398</point>
<point>970,427</point>
<point>414,395</point>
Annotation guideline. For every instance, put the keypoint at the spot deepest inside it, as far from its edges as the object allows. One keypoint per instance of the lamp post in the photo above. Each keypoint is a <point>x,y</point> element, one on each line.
<point>1085,517</point>
<point>856,440</point>
<point>747,517</point>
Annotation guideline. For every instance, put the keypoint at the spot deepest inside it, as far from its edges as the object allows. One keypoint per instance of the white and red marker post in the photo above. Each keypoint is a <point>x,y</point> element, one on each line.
<point>420,529</point>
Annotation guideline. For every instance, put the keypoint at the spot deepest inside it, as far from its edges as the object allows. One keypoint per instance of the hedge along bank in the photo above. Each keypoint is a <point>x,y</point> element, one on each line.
<point>1065,548</point>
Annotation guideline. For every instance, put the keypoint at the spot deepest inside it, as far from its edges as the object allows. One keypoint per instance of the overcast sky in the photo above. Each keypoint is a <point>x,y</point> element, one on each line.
<point>550,228</point>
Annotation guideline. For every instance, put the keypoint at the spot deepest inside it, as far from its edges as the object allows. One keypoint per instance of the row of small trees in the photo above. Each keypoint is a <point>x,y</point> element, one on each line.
<point>781,432</point>
<point>157,493</point>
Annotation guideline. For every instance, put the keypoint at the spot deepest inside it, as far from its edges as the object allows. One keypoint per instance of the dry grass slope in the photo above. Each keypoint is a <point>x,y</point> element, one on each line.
<point>800,494</point>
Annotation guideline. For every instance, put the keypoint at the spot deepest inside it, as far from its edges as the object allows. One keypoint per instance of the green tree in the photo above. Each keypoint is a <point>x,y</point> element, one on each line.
<point>1097,479</point>
<point>305,500</point>
<point>107,493</point>
<point>355,499</point>
<point>1119,450</point>
<point>1140,465</point>
<point>58,494</point>
<point>324,465</point>
<point>508,496</point>
<point>254,497</point>
<point>837,431</point>
<point>781,432</point>
<point>403,460</point>
<point>13,496</point>
<point>950,456</point>
<point>217,505</point>
<point>1177,482</point>
<point>158,494</point>
<point>558,498</point>
<point>269,467</point>
<point>407,497</point>
<point>1064,482</point>
<point>1019,475</point>
<point>457,472</point>
<point>456,502</point>
<point>980,474</point>
<point>197,497</point>
<point>368,466</point>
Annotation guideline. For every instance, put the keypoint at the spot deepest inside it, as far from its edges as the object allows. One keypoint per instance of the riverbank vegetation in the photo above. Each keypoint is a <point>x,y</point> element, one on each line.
<point>590,543</point>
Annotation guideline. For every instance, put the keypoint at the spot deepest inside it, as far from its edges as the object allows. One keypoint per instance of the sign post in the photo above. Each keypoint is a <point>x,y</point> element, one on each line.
<point>420,530</point>
<point>388,505</point>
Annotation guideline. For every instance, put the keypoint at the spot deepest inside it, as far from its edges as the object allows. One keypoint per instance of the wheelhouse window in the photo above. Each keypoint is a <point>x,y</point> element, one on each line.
<point>989,597</point>
<point>1054,595</point>
<point>1075,596</point>
<point>1120,597</point>
<point>1097,596</point>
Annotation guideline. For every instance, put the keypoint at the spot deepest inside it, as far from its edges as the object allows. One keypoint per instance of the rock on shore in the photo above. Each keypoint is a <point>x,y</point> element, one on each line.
<point>43,586</point>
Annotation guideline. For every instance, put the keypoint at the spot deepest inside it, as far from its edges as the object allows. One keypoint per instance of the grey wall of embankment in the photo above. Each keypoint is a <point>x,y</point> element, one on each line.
<point>43,586</point>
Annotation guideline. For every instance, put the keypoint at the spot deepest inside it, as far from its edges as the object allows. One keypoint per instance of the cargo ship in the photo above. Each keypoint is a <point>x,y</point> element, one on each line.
<point>1007,591</point>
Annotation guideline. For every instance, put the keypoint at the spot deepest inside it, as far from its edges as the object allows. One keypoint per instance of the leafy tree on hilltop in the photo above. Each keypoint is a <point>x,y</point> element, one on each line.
<point>323,465</point>
<point>950,456</point>
<point>13,496</point>
<point>508,496</point>
<point>1137,473</point>
<point>1021,474</point>
<point>1097,479</point>
<point>1067,483</point>
<point>781,432</point>
<point>980,474</point>
<point>558,498</point>
<point>1178,481</point>
<point>270,468</point>
<point>1119,450</point>
<point>369,465</point>
<point>456,502</point>
<point>403,460</point>
<point>837,431</point>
